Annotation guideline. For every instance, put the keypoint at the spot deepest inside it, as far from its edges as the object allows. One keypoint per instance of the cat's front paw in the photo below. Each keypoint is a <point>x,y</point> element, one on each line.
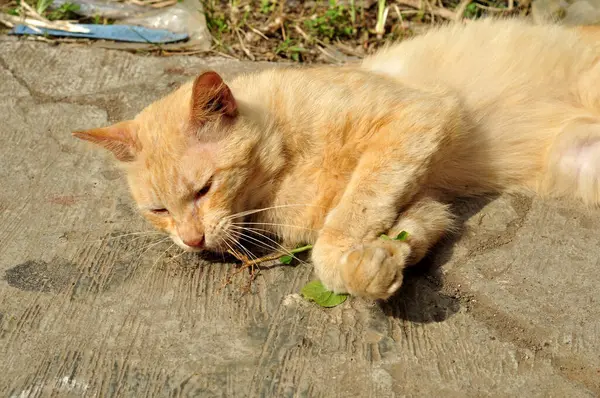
<point>326,259</point>
<point>374,270</point>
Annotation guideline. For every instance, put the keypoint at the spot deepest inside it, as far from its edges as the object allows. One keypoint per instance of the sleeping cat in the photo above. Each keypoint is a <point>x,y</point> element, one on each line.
<point>336,156</point>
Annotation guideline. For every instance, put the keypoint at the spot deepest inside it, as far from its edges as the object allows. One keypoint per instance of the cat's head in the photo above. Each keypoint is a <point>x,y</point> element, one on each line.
<point>190,161</point>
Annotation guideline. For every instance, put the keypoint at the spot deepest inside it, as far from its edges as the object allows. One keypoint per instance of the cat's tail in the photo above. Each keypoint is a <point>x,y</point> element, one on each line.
<point>573,163</point>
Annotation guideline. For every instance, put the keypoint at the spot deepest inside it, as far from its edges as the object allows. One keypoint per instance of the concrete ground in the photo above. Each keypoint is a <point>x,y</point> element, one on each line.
<point>90,307</point>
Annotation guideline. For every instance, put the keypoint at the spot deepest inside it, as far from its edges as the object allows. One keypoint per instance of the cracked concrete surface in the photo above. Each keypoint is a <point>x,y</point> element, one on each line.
<point>90,307</point>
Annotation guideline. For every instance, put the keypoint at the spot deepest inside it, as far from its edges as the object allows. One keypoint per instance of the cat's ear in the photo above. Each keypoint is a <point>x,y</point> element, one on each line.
<point>119,138</point>
<point>210,97</point>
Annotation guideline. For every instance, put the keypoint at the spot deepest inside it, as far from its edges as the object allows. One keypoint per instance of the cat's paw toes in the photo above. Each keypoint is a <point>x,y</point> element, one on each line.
<point>326,261</point>
<point>374,270</point>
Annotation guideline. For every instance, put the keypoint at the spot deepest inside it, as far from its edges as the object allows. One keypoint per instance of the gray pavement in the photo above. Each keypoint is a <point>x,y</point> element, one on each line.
<point>88,307</point>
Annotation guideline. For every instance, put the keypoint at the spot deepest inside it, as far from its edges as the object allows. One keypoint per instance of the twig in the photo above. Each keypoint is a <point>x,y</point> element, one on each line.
<point>348,50</point>
<point>493,9</point>
<point>302,33</point>
<point>398,13</point>
<point>184,52</point>
<point>244,49</point>
<point>327,54</point>
<point>258,32</point>
<point>224,54</point>
<point>440,12</point>
<point>283,35</point>
<point>6,21</point>
<point>273,26</point>
<point>460,10</point>
<point>153,3</point>
<point>36,23</point>
<point>247,263</point>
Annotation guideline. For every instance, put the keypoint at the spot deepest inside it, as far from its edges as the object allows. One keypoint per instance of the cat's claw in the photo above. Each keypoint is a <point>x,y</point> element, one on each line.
<point>374,270</point>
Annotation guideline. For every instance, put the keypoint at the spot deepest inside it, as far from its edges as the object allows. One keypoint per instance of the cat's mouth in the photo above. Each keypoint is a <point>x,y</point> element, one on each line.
<point>194,247</point>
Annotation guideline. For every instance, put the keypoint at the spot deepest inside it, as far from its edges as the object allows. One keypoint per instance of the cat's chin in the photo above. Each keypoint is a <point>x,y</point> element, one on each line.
<point>185,247</point>
<point>190,249</point>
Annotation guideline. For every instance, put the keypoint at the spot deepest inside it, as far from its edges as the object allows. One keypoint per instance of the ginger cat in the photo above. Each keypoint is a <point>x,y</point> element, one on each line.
<point>337,156</point>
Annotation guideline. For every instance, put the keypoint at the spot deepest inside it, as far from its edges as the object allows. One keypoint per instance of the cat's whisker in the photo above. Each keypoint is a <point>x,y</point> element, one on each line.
<point>141,237</point>
<point>248,212</point>
<point>233,251</point>
<point>280,247</point>
<point>108,238</point>
<point>249,254</point>
<point>152,267</point>
<point>137,236</point>
<point>149,246</point>
<point>261,243</point>
<point>272,224</point>
<point>258,231</point>
<point>177,256</point>
<point>229,238</point>
<point>236,252</point>
<point>236,242</point>
<point>150,232</point>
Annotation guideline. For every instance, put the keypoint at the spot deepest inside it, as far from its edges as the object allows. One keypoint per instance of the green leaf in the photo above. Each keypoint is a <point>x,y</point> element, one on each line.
<point>286,259</point>
<point>315,291</point>
<point>401,236</point>
<point>333,300</point>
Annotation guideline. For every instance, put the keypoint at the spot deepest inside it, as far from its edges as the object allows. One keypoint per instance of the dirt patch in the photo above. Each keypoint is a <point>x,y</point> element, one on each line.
<point>40,276</point>
<point>64,200</point>
<point>111,266</point>
<point>525,335</point>
<point>521,205</point>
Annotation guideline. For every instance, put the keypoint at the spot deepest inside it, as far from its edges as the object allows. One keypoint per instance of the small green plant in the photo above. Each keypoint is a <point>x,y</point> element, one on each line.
<point>267,6</point>
<point>65,11</point>
<point>335,22</point>
<point>315,291</point>
<point>42,5</point>
<point>382,12</point>
<point>401,236</point>
<point>216,19</point>
<point>289,49</point>
<point>218,22</point>
<point>472,11</point>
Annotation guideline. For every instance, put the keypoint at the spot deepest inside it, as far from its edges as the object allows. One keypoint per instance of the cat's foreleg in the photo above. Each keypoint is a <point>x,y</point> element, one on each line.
<point>374,269</point>
<point>348,254</point>
<point>426,221</point>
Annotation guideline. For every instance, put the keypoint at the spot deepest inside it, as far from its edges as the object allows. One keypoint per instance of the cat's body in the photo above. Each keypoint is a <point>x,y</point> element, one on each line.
<point>342,155</point>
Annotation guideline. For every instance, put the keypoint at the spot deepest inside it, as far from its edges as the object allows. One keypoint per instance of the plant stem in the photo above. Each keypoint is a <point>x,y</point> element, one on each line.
<point>382,11</point>
<point>301,249</point>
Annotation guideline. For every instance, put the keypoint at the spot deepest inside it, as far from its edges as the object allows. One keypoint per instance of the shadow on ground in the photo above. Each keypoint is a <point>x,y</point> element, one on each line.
<point>421,299</point>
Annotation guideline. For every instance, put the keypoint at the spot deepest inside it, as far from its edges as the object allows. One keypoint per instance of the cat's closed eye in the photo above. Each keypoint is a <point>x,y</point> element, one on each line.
<point>204,190</point>
<point>160,211</point>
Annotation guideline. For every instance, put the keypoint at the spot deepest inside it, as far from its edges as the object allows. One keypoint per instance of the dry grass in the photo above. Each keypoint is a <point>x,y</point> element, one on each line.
<point>332,31</point>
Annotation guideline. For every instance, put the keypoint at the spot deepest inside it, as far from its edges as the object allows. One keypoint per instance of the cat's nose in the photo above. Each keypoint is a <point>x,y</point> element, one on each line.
<point>195,243</point>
